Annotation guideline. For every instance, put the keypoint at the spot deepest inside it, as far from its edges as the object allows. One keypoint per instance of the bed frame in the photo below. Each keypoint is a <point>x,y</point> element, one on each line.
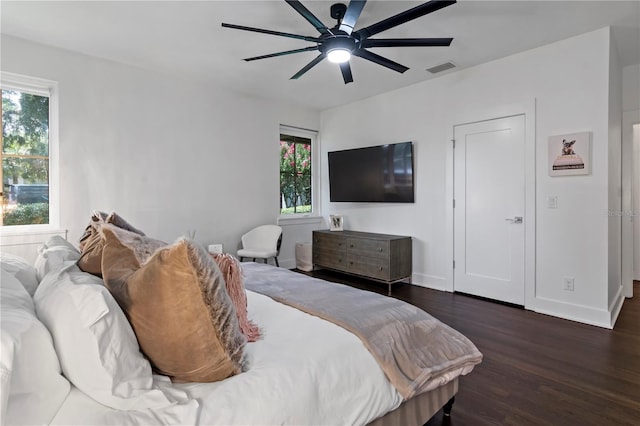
<point>419,409</point>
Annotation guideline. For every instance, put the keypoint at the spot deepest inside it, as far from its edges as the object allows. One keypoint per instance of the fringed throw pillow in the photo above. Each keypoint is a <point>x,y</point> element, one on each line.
<point>232,273</point>
<point>178,307</point>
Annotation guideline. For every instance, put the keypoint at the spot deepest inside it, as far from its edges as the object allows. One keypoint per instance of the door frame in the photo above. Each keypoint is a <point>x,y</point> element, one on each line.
<point>629,119</point>
<point>486,113</point>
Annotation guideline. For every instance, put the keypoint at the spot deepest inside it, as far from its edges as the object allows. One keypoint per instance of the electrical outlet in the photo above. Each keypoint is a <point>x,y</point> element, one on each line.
<point>568,283</point>
<point>215,248</point>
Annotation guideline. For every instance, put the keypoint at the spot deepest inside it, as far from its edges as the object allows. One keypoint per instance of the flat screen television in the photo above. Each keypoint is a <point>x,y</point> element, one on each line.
<point>375,174</point>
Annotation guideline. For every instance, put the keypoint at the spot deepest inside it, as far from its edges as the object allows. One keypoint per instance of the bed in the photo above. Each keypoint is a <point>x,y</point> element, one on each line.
<point>302,370</point>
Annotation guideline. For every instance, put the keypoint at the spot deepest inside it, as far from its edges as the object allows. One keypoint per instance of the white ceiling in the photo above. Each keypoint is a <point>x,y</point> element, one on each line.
<point>186,38</point>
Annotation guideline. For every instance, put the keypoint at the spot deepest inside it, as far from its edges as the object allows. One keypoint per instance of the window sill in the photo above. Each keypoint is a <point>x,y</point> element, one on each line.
<point>18,230</point>
<point>300,219</point>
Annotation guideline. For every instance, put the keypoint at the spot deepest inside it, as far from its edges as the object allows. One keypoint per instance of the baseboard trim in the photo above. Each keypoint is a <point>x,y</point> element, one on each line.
<point>616,306</point>
<point>573,312</point>
<point>429,281</point>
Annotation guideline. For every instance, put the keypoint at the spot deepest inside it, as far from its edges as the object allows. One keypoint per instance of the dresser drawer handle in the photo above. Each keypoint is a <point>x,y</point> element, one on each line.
<point>380,249</point>
<point>380,268</point>
<point>350,245</point>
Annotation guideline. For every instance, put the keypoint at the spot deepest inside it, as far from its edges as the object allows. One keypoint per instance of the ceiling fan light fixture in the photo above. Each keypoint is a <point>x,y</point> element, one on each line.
<point>338,56</point>
<point>339,43</point>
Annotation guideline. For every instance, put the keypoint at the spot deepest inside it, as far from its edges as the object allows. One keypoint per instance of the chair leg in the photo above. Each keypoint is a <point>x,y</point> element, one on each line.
<point>276,259</point>
<point>254,259</point>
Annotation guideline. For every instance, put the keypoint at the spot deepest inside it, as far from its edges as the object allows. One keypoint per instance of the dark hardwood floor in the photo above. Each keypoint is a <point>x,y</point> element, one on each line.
<point>537,369</point>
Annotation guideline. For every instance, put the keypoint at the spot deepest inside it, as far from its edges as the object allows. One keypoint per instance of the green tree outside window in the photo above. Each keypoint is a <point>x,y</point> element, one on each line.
<point>25,158</point>
<point>295,174</point>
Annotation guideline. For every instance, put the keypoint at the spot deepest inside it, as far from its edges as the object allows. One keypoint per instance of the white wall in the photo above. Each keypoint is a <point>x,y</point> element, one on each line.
<point>569,83</point>
<point>631,88</point>
<point>167,153</point>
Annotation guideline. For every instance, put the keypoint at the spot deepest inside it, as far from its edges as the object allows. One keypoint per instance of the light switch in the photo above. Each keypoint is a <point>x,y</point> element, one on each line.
<point>552,202</point>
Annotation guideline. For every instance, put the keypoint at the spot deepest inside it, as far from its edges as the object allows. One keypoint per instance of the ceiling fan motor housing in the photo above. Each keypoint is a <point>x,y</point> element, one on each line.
<point>339,40</point>
<point>338,10</point>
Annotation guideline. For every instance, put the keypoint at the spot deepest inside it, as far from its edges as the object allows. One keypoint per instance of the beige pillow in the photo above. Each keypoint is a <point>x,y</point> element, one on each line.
<point>97,218</point>
<point>138,247</point>
<point>91,243</point>
<point>119,221</point>
<point>178,307</point>
<point>91,258</point>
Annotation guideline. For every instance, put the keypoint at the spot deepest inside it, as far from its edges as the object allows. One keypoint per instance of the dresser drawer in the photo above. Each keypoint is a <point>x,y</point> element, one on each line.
<point>368,267</point>
<point>333,243</point>
<point>330,259</point>
<point>329,251</point>
<point>371,248</point>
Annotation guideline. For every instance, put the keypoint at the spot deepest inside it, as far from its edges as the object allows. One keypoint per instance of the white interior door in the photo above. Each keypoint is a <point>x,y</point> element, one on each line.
<point>489,192</point>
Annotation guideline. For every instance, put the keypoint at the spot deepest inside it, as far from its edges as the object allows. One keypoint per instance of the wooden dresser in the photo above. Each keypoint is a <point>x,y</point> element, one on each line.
<point>379,257</point>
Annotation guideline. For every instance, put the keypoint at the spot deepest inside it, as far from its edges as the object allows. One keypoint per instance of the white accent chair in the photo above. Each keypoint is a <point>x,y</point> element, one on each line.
<point>262,242</point>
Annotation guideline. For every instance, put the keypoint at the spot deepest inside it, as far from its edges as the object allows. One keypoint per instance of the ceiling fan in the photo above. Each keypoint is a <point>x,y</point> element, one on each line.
<point>339,43</point>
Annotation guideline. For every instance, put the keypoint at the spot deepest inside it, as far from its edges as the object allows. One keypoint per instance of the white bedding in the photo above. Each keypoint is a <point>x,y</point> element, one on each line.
<point>304,370</point>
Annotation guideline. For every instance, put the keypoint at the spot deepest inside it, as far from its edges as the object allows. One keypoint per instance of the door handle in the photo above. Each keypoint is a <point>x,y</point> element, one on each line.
<point>516,219</point>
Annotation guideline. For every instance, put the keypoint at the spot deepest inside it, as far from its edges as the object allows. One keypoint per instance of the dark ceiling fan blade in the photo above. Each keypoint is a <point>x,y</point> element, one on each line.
<point>346,72</point>
<point>401,18</point>
<point>370,56</point>
<point>307,67</point>
<point>306,14</point>
<point>288,52</point>
<point>405,42</point>
<point>351,16</point>
<point>277,33</point>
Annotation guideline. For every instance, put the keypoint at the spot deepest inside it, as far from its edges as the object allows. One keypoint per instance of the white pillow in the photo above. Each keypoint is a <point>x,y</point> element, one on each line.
<point>32,388</point>
<point>55,253</point>
<point>21,269</point>
<point>97,347</point>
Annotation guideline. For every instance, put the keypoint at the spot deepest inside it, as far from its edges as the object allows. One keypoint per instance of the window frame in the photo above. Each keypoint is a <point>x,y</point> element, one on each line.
<point>315,170</point>
<point>49,88</point>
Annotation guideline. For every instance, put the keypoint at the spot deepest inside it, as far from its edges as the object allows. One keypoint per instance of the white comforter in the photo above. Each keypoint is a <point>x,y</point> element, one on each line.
<point>303,371</point>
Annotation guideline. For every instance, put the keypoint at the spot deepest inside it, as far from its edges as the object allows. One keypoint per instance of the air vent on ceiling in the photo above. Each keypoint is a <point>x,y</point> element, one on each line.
<point>441,67</point>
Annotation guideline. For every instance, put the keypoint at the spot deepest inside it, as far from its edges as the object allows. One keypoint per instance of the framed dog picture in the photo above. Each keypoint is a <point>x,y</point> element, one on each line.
<point>335,222</point>
<point>570,154</point>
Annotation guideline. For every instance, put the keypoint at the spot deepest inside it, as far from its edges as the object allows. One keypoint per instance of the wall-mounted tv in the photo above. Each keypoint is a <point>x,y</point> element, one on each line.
<point>375,174</point>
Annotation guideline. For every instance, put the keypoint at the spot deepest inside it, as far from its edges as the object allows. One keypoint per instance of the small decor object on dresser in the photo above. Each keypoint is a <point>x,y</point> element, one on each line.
<point>570,154</point>
<point>335,222</point>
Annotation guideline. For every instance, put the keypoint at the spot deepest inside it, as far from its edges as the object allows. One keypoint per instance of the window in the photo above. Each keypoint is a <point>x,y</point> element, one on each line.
<point>26,151</point>
<point>296,171</point>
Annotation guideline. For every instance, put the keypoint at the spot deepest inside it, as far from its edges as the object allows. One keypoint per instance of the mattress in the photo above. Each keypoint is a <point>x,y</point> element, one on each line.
<point>304,370</point>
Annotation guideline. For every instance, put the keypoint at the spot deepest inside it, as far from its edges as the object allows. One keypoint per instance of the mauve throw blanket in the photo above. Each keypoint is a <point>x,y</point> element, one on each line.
<point>416,351</point>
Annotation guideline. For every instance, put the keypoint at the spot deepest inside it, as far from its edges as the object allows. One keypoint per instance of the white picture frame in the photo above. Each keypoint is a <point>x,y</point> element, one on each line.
<point>336,222</point>
<point>570,154</point>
